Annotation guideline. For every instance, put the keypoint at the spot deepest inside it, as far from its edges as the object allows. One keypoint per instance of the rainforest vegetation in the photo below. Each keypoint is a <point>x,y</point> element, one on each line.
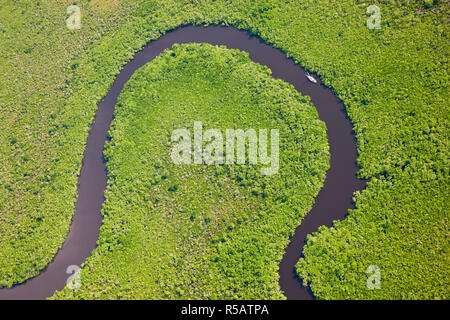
<point>392,80</point>
<point>202,231</point>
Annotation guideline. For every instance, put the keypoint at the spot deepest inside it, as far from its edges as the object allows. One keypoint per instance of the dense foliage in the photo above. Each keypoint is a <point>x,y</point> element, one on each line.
<point>202,231</point>
<point>393,82</point>
<point>407,248</point>
<point>44,118</point>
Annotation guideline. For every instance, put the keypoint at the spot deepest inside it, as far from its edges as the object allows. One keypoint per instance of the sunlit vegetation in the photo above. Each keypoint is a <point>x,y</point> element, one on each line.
<point>393,82</point>
<point>202,231</point>
<point>44,117</point>
<point>336,259</point>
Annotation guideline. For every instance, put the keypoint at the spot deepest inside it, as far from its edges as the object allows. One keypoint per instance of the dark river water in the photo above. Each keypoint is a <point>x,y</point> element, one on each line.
<point>332,203</point>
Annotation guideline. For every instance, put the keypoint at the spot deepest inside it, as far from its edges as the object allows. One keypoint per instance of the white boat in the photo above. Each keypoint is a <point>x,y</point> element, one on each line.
<point>311,78</point>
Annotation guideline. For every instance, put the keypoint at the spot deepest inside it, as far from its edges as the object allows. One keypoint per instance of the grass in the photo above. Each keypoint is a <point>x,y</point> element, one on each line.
<point>393,82</point>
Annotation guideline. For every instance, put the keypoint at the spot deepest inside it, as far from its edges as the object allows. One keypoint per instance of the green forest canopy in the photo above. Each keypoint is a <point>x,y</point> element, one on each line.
<point>201,231</point>
<point>392,80</point>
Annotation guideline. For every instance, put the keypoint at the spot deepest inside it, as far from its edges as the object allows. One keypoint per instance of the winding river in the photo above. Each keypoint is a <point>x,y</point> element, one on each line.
<point>332,202</point>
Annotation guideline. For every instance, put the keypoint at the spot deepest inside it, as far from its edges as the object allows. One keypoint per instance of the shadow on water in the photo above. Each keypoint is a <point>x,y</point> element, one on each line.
<point>332,202</point>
